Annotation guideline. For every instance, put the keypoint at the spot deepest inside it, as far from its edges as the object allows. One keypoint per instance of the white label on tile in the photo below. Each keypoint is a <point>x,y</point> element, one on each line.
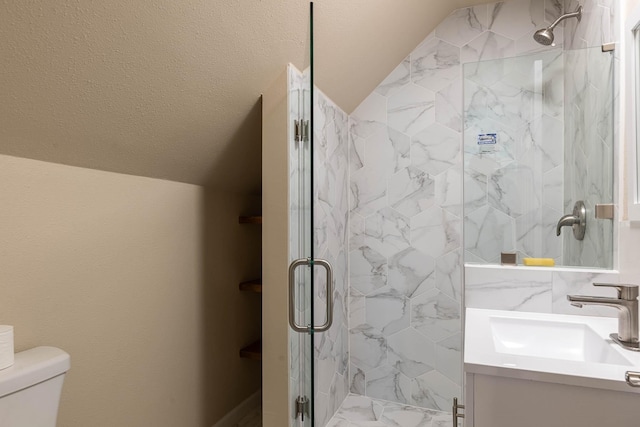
<point>487,142</point>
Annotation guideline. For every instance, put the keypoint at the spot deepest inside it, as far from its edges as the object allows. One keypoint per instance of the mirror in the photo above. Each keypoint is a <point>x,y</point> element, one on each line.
<point>538,139</point>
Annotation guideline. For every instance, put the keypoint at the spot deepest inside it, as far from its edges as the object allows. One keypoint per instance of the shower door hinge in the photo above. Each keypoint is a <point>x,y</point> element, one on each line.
<point>608,47</point>
<point>301,130</point>
<point>296,130</point>
<point>605,210</point>
<point>305,130</point>
<point>302,407</point>
<point>455,413</point>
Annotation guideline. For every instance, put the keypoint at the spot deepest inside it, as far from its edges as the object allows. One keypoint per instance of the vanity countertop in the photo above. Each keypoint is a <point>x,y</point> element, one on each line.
<point>555,348</point>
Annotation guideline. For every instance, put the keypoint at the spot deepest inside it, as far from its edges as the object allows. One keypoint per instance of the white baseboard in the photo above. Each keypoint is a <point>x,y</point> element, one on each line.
<point>240,411</point>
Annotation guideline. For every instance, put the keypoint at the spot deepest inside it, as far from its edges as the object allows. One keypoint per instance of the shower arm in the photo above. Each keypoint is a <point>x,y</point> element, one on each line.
<point>576,14</point>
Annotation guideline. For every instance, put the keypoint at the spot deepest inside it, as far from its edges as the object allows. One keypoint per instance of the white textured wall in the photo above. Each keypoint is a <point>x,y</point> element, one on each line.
<point>170,89</point>
<point>137,279</point>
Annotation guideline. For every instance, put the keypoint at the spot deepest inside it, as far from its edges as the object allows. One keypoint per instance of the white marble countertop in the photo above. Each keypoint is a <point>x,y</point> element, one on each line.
<point>483,355</point>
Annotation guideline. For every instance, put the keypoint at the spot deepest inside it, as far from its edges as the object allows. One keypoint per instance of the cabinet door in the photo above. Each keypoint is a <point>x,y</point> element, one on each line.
<point>506,402</point>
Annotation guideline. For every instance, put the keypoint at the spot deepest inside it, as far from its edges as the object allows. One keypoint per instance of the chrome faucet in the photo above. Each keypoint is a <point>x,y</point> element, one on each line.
<point>627,306</point>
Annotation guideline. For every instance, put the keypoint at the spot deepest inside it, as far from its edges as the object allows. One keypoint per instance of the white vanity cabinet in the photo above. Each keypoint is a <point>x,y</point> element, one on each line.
<point>546,370</point>
<point>495,401</point>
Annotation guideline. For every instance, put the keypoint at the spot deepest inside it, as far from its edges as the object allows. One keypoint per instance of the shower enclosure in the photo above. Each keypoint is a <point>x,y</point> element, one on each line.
<point>374,202</point>
<point>394,335</point>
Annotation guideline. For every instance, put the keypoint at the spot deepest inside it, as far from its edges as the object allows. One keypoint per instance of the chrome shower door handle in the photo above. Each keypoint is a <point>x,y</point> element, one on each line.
<point>292,294</point>
<point>329,314</point>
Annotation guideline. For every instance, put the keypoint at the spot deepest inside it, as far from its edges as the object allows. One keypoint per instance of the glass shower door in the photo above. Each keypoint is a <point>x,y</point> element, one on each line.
<point>301,253</point>
<point>589,154</point>
<point>304,269</point>
<point>538,141</point>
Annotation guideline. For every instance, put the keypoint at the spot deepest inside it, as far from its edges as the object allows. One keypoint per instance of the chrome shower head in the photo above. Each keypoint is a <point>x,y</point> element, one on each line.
<point>545,35</point>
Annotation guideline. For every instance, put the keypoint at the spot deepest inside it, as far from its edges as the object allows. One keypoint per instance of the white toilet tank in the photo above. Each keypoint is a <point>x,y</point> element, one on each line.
<point>30,389</point>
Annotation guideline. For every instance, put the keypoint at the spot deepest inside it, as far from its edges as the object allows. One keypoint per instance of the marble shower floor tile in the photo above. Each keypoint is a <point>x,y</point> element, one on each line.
<point>362,411</point>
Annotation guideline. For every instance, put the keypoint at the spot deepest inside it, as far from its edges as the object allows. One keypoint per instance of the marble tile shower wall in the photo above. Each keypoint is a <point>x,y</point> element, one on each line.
<point>533,289</point>
<point>331,214</point>
<point>539,290</point>
<point>599,23</point>
<point>515,196</point>
<point>513,189</point>
<point>406,201</point>
<point>589,151</point>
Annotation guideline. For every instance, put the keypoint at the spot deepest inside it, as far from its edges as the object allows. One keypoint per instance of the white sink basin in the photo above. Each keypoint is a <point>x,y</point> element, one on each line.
<point>553,340</point>
<point>557,348</point>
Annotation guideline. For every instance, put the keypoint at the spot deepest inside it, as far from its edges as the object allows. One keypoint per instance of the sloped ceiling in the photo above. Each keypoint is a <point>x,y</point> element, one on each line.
<point>170,89</point>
